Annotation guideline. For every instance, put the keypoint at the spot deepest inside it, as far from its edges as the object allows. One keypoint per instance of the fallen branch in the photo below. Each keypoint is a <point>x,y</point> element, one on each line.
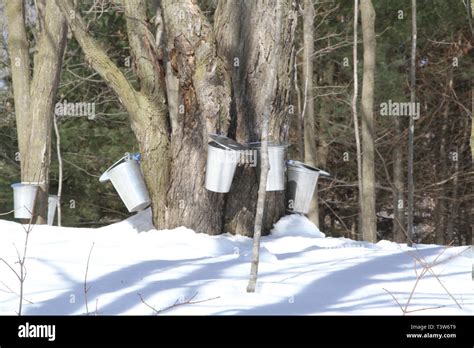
<point>395,299</point>
<point>176,304</point>
<point>427,267</point>
<point>11,291</point>
<point>413,310</point>
<point>8,212</point>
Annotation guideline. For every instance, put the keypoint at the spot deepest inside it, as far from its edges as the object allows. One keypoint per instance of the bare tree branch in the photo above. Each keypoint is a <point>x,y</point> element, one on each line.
<point>98,59</point>
<point>176,304</point>
<point>86,289</point>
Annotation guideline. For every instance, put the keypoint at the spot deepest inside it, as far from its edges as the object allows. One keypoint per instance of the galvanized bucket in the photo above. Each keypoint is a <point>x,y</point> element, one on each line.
<point>302,181</point>
<point>223,155</point>
<point>24,197</point>
<point>52,206</point>
<point>127,179</point>
<point>276,159</point>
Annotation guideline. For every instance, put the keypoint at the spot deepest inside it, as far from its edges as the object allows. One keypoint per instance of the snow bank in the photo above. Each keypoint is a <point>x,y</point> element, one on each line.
<point>297,226</point>
<point>301,272</point>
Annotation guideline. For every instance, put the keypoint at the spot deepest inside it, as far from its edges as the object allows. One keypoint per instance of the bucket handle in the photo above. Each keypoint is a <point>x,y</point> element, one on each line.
<point>105,176</point>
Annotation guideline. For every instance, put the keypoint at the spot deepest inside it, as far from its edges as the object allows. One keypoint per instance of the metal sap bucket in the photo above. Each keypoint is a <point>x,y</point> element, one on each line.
<point>128,181</point>
<point>52,206</point>
<point>302,181</point>
<point>223,155</point>
<point>24,197</point>
<point>276,160</point>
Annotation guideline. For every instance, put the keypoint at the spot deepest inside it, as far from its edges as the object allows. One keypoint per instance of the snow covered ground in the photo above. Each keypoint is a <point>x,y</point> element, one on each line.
<point>301,272</point>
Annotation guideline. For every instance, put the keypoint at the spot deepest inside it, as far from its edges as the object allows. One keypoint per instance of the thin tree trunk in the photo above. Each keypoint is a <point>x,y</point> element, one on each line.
<point>455,201</point>
<point>411,127</point>
<point>18,47</point>
<point>470,14</point>
<point>453,211</point>
<point>322,149</point>
<point>355,116</point>
<point>440,220</point>
<point>472,122</point>
<point>245,38</point>
<point>299,120</point>
<point>470,10</point>
<point>398,183</point>
<point>260,206</point>
<point>326,110</point>
<point>369,218</point>
<point>264,165</point>
<point>441,204</point>
<point>34,103</point>
<point>60,162</point>
<point>47,70</point>
<point>310,151</point>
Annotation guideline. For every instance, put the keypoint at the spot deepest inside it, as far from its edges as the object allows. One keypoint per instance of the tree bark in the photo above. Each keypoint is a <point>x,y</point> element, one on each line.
<point>299,119</point>
<point>204,97</point>
<point>326,109</point>
<point>34,102</point>
<point>457,190</point>
<point>18,47</point>
<point>453,211</point>
<point>310,151</point>
<point>411,126</point>
<point>441,206</point>
<point>355,117</point>
<point>398,197</point>
<point>47,70</point>
<point>472,122</point>
<point>440,220</point>
<point>369,219</point>
<point>245,38</point>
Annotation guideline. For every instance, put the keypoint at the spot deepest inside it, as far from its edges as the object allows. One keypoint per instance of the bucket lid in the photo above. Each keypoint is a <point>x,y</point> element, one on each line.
<point>271,143</point>
<point>300,165</point>
<point>227,142</point>
<point>105,176</point>
<point>18,184</point>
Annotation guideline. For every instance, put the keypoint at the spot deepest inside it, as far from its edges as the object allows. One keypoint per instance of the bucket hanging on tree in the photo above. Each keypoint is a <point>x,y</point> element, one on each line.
<point>223,155</point>
<point>24,197</point>
<point>127,178</point>
<point>302,181</point>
